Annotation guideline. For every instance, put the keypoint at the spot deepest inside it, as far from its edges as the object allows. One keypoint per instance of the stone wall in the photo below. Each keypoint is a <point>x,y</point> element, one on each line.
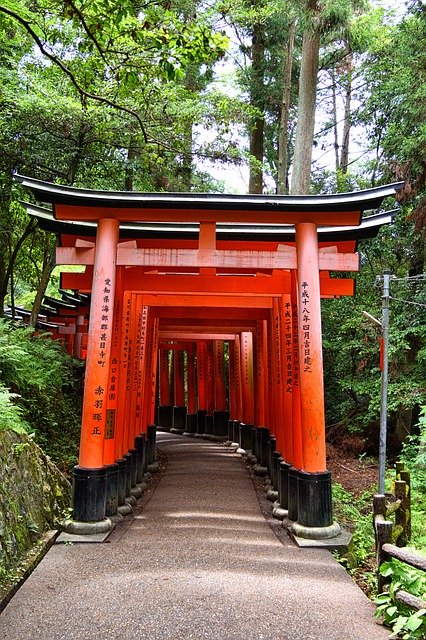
<point>33,496</point>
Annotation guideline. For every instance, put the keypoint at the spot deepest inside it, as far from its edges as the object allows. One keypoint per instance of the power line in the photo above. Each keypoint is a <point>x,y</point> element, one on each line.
<point>419,277</point>
<point>417,304</point>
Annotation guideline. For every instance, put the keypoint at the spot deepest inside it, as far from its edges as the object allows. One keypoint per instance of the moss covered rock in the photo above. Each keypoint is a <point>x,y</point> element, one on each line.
<point>34,495</point>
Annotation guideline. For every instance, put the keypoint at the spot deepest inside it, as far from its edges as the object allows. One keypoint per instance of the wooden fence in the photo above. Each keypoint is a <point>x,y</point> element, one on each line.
<point>392,536</point>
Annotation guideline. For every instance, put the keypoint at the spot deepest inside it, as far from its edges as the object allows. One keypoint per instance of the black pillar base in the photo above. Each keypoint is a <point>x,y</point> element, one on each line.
<point>191,423</point>
<point>293,476</point>
<point>89,488</point>
<point>179,420</point>
<point>263,456</point>
<point>245,439</point>
<point>121,481</point>
<point>140,448</point>
<point>133,466</point>
<point>283,485</point>
<point>165,416</point>
<point>276,460</point>
<point>236,432</point>
<point>111,505</point>
<point>128,459</point>
<point>201,421</point>
<point>230,431</point>
<point>272,445</point>
<point>220,423</point>
<point>314,499</point>
<point>209,424</point>
<point>151,435</point>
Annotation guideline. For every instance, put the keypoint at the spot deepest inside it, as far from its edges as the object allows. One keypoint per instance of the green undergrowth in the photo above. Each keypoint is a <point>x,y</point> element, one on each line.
<point>407,623</point>
<point>354,514</point>
<point>40,392</point>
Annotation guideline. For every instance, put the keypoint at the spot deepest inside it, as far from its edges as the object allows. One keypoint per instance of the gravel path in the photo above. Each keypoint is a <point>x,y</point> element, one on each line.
<point>198,562</point>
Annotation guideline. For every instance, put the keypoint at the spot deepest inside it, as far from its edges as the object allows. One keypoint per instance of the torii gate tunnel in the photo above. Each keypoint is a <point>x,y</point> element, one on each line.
<point>223,291</point>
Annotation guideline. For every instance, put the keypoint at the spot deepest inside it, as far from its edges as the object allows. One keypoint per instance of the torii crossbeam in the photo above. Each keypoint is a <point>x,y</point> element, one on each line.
<point>160,268</point>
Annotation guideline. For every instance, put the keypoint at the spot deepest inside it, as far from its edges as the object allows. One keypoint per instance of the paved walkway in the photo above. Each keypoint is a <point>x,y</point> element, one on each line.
<point>198,562</point>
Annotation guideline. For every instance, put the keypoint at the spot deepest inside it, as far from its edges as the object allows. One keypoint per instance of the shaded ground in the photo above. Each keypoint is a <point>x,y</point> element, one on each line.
<point>355,473</point>
<point>198,561</point>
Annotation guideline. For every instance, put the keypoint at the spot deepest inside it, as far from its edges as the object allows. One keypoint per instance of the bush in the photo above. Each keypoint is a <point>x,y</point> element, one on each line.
<point>43,391</point>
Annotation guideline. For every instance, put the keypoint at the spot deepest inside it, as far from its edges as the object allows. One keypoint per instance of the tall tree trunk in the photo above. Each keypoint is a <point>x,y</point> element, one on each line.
<point>335,132</point>
<point>285,111</point>
<point>258,126</point>
<point>48,266</point>
<point>29,229</point>
<point>344,155</point>
<point>301,177</point>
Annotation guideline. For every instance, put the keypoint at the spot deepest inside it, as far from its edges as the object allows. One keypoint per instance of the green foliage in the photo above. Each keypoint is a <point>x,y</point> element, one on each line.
<point>351,343</point>
<point>414,457</point>
<point>354,513</point>
<point>405,623</point>
<point>45,384</point>
<point>11,415</point>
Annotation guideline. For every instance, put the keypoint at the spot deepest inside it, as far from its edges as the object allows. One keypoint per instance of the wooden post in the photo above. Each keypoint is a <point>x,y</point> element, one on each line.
<point>220,413</point>
<point>383,536</point>
<point>247,377</point>
<point>401,493</point>
<point>310,345</point>
<point>287,382</point>
<point>90,474</point>
<point>219,375</point>
<point>260,378</point>
<point>277,379</point>
<point>296,412</point>
<point>314,482</point>
<point>202,385</point>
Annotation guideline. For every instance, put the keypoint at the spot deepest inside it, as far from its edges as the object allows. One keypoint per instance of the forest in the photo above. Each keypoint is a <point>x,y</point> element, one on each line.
<point>254,96</point>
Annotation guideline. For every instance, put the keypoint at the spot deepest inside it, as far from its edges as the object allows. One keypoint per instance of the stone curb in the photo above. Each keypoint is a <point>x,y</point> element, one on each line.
<point>34,556</point>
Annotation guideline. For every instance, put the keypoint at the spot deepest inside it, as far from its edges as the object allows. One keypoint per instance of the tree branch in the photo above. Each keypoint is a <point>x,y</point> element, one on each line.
<point>91,96</point>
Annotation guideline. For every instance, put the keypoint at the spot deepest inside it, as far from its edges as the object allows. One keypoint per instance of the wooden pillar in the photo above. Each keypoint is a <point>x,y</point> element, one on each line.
<point>310,347</point>
<point>221,414</point>
<point>237,379</point>
<point>191,417</point>
<point>210,388</point>
<point>113,381</point>
<point>131,364</point>
<point>202,386</point>
<point>314,482</point>
<point>295,379</point>
<point>112,488</point>
<point>120,441</point>
<point>232,383</point>
<point>191,379</point>
<point>179,377</point>
<point>277,378</point>
<point>152,359</point>
<point>259,377</point>
<point>219,375</point>
<point>165,397</point>
<point>165,409</point>
<point>287,358</point>
<point>247,386</point>
<point>90,474</point>
<point>179,408</point>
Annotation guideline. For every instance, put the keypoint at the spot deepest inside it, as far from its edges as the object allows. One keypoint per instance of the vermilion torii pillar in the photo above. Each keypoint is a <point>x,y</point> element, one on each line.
<point>206,257</point>
<point>314,481</point>
<point>90,474</point>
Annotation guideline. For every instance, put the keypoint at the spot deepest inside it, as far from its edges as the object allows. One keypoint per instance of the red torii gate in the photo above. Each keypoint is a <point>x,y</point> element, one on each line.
<point>254,271</point>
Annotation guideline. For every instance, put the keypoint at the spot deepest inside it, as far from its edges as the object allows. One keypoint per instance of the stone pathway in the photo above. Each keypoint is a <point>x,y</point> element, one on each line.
<point>198,562</point>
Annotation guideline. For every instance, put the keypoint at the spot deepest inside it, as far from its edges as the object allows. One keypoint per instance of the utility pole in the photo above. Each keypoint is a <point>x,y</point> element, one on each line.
<point>384,385</point>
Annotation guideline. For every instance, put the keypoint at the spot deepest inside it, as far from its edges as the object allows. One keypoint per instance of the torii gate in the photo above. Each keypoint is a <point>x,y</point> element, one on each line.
<point>248,275</point>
